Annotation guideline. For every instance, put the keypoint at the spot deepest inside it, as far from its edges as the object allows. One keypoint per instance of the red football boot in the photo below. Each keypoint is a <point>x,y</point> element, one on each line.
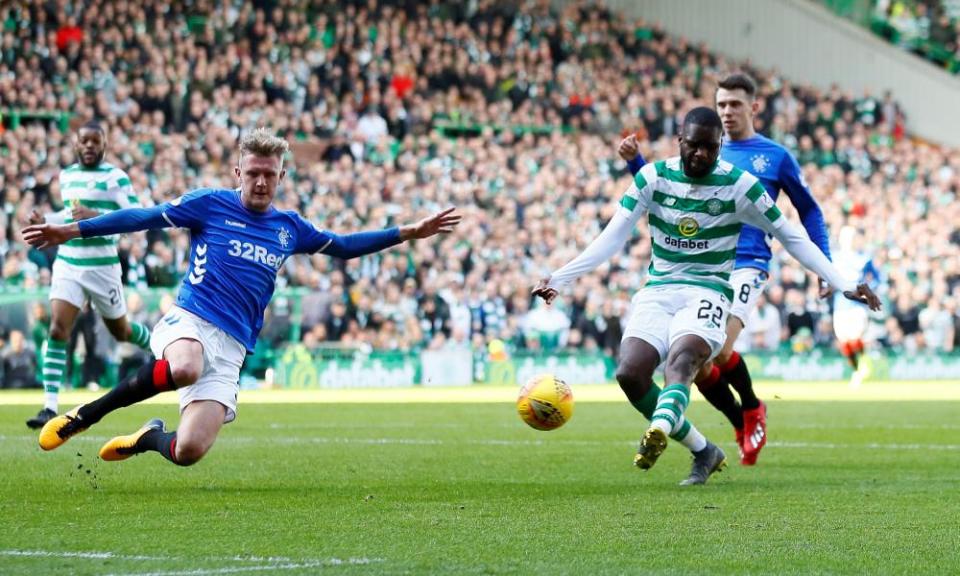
<point>740,436</point>
<point>755,434</point>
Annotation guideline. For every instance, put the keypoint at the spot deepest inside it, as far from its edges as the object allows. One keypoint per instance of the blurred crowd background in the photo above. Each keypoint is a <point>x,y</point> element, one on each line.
<point>511,111</point>
<point>928,28</point>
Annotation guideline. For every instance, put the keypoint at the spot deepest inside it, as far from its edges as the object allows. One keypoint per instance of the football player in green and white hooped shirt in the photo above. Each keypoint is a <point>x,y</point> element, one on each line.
<point>85,269</point>
<point>696,205</point>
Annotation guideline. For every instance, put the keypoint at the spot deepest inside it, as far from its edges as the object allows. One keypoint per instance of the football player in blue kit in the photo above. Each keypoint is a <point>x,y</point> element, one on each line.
<point>239,241</point>
<point>777,171</point>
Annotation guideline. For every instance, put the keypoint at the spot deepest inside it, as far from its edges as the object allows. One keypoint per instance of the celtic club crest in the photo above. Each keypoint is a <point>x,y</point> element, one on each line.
<point>714,206</point>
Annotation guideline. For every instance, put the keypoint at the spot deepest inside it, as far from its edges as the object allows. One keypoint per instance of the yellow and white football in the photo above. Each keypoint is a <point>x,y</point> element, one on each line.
<point>545,402</point>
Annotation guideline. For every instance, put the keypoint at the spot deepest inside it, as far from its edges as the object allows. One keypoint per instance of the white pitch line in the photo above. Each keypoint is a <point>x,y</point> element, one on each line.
<point>115,556</point>
<point>877,427</point>
<point>33,437</point>
<point>265,568</point>
<point>869,446</point>
<point>269,562</point>
<point>85,555</point>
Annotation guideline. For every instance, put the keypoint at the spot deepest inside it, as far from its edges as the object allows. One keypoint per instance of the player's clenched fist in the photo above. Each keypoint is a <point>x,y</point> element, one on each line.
<point>543,290</point>
<point>629,148</point>
<point>865,295</point>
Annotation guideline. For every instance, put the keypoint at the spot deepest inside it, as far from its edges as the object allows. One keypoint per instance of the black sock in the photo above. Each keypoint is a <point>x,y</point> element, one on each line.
<point>721,397</point>
<point>163,442</point>
<point>153,378</point>
<point>735,372</point>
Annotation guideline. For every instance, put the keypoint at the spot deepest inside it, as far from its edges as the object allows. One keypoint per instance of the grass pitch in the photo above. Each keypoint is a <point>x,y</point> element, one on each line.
<point>454,483</point>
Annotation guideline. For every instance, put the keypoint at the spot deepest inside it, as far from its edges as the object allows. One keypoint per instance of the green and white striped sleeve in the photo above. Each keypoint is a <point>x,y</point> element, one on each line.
<point>756,207</point>
<point>123,190</point>
<point>636,200</point>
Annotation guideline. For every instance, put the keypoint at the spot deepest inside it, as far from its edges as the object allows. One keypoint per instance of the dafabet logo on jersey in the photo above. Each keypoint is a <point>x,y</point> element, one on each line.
<point>686,244</point>
<point>688,227</point>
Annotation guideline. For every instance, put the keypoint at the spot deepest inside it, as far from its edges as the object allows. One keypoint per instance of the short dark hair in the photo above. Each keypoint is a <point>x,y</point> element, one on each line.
<point>739,81</point>
<point>703,116</point>
<point>94,125</point>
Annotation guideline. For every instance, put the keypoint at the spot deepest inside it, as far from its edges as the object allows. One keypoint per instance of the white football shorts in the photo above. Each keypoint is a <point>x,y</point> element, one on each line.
<point>660,315</point>
<point>748,284</point>
<point>850,323</point>
<point>100,284</point>
<point>223,356</point>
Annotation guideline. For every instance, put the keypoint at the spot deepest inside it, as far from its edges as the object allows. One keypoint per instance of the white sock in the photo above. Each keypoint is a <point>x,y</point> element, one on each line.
<point>661,425</point>
<point>694,440</point>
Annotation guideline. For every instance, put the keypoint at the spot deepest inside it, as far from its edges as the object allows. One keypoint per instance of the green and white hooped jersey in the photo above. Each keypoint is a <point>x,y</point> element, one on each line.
<point>695,222</point>
<point>105,189</point>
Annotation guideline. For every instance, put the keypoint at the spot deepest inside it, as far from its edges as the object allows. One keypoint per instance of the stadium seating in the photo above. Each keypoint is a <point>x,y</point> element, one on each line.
<point>394,108</point>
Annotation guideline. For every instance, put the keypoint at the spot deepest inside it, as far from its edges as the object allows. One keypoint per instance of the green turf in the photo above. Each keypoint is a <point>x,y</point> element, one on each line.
<point>844,488</point>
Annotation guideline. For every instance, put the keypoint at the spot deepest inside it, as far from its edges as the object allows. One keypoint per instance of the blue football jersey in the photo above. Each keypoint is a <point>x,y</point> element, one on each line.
<point>777,170</point>
<point>235,254</point>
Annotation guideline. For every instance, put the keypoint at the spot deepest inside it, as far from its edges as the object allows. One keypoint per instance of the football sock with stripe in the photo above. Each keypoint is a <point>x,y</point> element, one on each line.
<point>671,404</point>
<point>140,335</point>
<point>668,416</point>
<point>686,433</point>
<point>648,402</point>
<point>735,372</point>
<point>153,378</point>
<point>54,371</point>
<point>719,395</point>
<point>158,441</point>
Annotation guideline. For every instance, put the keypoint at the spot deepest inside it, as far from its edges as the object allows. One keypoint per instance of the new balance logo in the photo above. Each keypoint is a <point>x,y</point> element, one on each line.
<point>199,261</point>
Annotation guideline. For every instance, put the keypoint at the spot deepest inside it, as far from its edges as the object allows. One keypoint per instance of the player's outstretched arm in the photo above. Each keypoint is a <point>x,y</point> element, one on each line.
<point>118,222</point>
<point>756,207</point>
<point>603,247</point>
<point>807,208</point>
<point>47,235</point>
<point>361,243</point>
<point>442,222</point>
<point>807,253</point>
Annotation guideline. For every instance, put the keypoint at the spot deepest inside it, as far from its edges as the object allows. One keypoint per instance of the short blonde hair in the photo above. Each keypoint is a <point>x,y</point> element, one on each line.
<point>261,142</point>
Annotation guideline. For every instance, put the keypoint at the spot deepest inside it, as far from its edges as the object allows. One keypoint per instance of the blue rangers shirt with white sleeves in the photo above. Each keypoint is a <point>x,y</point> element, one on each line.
<point>777,170</point>
<point>235,252</point>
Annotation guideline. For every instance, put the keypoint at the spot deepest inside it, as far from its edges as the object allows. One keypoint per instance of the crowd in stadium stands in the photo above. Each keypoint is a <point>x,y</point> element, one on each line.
<point>397,108</point>
<point>929,28</point>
